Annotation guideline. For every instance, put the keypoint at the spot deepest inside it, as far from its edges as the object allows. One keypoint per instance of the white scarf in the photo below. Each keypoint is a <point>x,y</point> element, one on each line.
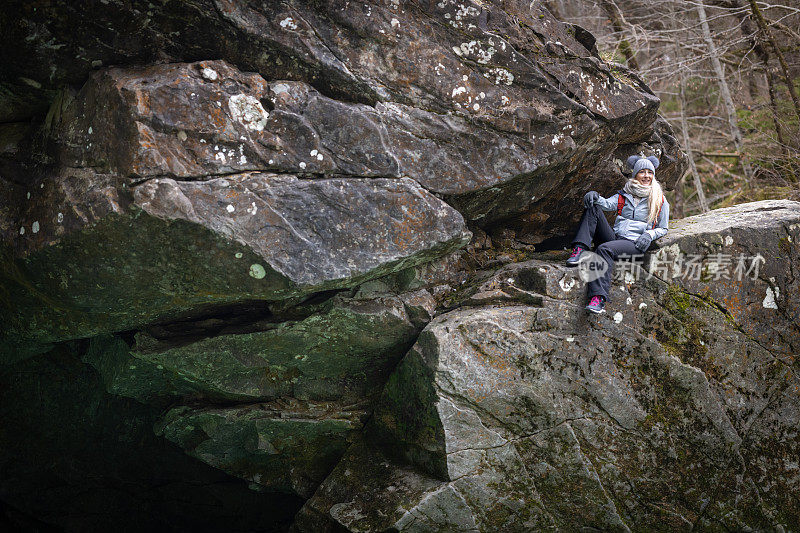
<point>635,188</point>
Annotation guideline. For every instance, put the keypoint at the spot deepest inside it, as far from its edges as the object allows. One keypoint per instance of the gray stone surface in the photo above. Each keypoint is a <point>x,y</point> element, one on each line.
<point>662,413</point>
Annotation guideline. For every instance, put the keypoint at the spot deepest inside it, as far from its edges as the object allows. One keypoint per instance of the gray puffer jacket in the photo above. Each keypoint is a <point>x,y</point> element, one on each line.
<point>632,222</point>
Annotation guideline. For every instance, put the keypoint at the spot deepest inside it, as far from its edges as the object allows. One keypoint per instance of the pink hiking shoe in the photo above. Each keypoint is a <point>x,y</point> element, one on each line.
<point>596,304</point>
<point>573,259</point>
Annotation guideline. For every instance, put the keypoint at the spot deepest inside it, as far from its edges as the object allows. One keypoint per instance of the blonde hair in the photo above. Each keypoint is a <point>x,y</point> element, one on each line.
<point>654,201</point>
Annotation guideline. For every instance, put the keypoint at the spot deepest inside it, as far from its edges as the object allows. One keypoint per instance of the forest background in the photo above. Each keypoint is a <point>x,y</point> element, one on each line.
<point>728,76</point>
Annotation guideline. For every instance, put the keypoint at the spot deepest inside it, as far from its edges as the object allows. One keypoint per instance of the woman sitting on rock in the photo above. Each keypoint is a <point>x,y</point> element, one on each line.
<point>642,217</point>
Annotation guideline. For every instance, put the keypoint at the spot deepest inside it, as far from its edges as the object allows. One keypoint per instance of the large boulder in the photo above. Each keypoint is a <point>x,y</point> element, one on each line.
<point>498,106</point>
<point>664,412</point>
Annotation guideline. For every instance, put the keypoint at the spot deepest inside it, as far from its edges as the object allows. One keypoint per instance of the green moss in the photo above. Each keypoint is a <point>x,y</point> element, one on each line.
<point>677,301</point>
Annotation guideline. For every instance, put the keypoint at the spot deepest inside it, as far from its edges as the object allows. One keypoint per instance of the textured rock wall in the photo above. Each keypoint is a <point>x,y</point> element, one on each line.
<point>669,412</point>
<point>235,288</point>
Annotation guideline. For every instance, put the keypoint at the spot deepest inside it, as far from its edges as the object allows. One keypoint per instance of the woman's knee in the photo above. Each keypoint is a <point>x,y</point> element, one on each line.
<point>603,249</point>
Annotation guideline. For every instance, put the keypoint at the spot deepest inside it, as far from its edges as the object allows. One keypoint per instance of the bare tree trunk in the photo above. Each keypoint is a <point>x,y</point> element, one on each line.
<point>749,31</point>
<point>725,93</point>
<point>701,196</point>
<point>612,10</point>
<point>762,24</point>
<point>773,107</point>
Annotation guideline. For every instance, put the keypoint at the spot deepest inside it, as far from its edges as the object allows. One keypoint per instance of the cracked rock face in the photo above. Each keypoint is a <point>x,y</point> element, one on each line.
<point>664,412</point>
<point>120,259</point>
<point>497,106</point>
<point>234,295</point>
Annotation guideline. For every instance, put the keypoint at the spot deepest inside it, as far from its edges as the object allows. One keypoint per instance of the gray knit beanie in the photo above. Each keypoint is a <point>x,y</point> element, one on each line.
<point>638,163</point>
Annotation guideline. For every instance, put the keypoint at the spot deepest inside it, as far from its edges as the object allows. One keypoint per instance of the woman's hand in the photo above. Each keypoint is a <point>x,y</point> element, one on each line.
<point>589,199</point>
<point>643,242</point>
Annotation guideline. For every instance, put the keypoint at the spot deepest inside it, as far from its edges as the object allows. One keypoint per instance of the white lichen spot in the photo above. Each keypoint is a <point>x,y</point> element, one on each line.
<point>60,218</point>
<point>501,75</point>
<point>28,196</point>
<point>642,305</point>
<point>252,209</point>
<point>504,100</point>
<point>566,284</point>
<point>35,227</point>
<point>617,317</point>
<point>210,74</point>
<point>22,230</point>
<point>395,23</point>
<point>439,69</point>
<point>230,208</point>
<point>770,297</point>
<point>289,22</point>
<point>270,162</point>
<point>90,130</point>
<point>314,153</point>
<point>220,156</point>
<point>482,95</point>
<point>238,255</point>
<point>570,338</point>
<point>302,164</point>
<point>476,107</point>
<point>257,271</point>
<point>475,48</point>
<point>728,240</point>
<point>242,160</point>
<point>320,157</point>
<point>459,90</point>
<point>629,300</point>
<point>249,111</point>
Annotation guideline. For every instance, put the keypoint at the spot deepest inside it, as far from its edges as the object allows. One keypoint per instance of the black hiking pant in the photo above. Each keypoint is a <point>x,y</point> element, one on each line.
<point>595,227</point>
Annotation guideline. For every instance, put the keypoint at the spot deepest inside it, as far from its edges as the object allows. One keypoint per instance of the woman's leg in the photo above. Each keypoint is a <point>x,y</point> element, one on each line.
<point>610,251</point>
<point>593,227</point>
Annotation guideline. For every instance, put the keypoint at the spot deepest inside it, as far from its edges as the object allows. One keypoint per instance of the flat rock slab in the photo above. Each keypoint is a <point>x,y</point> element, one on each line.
<point>195,120</point>
<point>343,354</point>
<point>744,259</point>
<point>105,258</point>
